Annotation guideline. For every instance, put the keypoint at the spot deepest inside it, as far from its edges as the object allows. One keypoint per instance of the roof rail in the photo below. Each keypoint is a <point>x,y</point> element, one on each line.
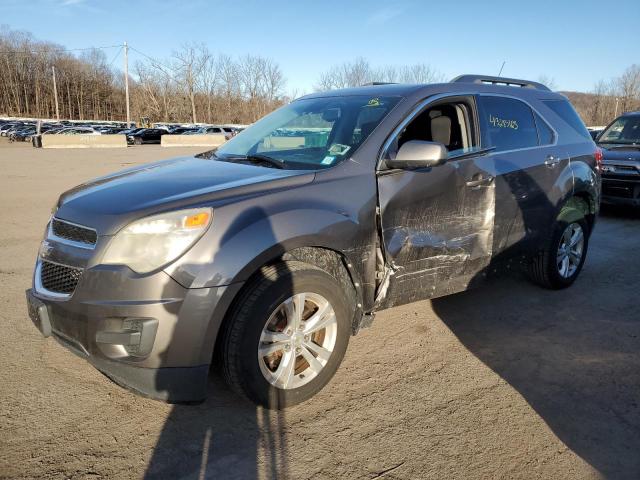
<point>499,81</point>
<point>370,84</point>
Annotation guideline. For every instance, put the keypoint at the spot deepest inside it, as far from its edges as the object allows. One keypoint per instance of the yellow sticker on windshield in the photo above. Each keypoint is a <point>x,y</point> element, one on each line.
<point>374,102</point>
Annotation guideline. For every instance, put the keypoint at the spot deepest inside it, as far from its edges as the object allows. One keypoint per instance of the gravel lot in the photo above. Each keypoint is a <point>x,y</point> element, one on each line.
<point>507,381</point>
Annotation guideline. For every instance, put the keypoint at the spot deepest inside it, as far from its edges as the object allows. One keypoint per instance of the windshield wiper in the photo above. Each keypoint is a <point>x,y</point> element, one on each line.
<point>257,158</point>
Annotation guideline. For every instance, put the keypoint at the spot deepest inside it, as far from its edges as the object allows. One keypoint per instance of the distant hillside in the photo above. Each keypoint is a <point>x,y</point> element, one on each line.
<point>598,110</point>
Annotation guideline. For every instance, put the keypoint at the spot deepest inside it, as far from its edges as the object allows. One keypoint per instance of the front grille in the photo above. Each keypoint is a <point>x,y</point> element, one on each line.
<point>59,278</point>
<point>72,232</point>
<point>618,190</point>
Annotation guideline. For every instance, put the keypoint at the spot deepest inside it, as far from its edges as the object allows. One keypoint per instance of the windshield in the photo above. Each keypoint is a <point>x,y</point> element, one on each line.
<point>625,131</point>
<point>311,133</point>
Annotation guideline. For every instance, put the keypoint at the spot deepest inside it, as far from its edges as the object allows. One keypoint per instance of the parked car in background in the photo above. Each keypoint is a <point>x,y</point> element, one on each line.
<point>227,132</point>
<point>595,131</point>
<point>4,129</point>
<point>110,130</point>
<point>23,135</point>
<point>270,251</point>
<point>620,144</point>
<point>130,131</point>
<point>78,131</point>
<point>146,135</point>
<point>182,130</point>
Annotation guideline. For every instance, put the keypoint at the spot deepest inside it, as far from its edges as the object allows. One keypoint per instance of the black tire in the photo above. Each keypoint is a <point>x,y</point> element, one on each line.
<point>543,268</point>
<point>137,141</point>
<point>241,334</point>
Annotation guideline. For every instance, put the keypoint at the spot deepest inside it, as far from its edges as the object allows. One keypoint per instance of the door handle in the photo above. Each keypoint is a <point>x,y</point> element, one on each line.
<point>478,181</point>
<point>551,161</point>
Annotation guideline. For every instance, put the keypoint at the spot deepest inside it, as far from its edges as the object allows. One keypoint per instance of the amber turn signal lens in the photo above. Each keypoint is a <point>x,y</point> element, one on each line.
<point>197,220</point>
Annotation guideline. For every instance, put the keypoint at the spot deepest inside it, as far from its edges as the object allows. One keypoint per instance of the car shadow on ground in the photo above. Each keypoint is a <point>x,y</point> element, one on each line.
<point>224,437</point>
<point>227,436</point>
<point>573,356</point>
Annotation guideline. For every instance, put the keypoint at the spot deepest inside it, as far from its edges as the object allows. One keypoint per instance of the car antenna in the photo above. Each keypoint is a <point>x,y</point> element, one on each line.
<point>500,72</point>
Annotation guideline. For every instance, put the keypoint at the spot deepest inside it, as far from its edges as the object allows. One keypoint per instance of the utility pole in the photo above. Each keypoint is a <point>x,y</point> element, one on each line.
<point>55,92</point>
<point>126,82</point>
<point>615,115</point>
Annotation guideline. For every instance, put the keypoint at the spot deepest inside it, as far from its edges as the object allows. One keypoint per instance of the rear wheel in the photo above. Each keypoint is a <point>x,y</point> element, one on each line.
<point>287,335</point>
<point>561,261</point>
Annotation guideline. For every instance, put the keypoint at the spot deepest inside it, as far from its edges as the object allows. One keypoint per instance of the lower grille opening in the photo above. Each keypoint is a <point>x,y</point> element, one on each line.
<point>59,278</point>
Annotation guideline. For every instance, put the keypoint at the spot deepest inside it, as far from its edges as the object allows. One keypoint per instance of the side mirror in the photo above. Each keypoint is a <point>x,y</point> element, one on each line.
<point>419,154</point>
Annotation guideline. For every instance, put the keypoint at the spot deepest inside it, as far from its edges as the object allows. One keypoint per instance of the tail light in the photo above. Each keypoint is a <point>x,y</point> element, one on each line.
<point>598,156</point>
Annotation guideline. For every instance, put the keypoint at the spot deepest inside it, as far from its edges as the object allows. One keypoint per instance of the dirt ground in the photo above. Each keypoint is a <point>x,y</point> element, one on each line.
<point>506,381</point>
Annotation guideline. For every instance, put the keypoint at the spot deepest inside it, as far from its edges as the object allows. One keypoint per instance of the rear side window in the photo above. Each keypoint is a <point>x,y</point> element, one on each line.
<point>566,112</point>
<point>545,134</point>
<point>508,123</point>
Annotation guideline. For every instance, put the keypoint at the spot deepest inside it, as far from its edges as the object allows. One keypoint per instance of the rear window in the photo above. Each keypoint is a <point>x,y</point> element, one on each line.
<point>508,123</point>
<point>566,112</point>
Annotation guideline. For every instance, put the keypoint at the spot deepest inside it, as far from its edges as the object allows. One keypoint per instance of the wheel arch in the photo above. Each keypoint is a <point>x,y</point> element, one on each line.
<point>333,261</point>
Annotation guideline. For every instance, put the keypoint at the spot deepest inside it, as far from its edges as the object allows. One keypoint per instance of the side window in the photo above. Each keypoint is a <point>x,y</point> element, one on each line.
<point>566,112</point>
<point>508,123</point>
<point>545,134</point>
<point>446,123</point>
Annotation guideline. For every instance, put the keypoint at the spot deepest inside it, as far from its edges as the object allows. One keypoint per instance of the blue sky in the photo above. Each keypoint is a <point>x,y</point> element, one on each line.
<point>575,42</point>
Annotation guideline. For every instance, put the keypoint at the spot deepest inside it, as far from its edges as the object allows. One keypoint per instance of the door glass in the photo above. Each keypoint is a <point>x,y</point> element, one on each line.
<point>567,113</point>
<point>446,123</point>
<point>508,123</point>
<point>545,134</point>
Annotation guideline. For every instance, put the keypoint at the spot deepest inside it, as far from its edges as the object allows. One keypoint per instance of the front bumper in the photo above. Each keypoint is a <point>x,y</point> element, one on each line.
<point>147,333</point>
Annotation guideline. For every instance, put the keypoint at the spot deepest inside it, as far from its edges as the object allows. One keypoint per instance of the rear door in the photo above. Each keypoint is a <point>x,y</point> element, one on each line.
<point>530,166</point>
<point>437,223</point>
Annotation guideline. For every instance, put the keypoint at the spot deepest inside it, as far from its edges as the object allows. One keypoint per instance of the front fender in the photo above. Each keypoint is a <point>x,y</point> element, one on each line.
<point>241,243</point>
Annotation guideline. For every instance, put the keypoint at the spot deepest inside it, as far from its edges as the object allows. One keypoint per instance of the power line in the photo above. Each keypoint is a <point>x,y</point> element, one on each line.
<point>156,63</point>
<point>115,56</point>
<point>55,50</point>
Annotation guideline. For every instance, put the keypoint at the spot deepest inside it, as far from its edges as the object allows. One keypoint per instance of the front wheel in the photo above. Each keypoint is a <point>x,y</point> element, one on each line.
<point>287,335</point>
<point>561,261</point>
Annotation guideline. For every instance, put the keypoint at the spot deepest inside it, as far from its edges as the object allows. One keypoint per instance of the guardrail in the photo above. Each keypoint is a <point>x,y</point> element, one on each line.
<point>84,141</point>
<point>208,140</point>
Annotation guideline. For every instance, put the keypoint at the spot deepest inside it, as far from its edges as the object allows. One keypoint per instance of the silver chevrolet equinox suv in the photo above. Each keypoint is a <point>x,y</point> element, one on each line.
<point>264,256</point>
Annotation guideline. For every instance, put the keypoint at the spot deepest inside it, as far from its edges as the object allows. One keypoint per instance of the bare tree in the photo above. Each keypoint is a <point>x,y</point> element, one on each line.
<point>360,71</point>
<point>628,86</point>
<point>421,73</point>
<point>190,61</point>
<point>548,81</point>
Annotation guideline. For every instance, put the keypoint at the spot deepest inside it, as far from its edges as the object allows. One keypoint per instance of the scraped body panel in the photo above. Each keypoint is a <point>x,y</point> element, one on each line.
<point>437,232</point>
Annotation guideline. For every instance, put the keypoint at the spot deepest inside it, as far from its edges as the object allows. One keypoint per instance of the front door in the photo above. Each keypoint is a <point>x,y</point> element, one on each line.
<point>437,223</point>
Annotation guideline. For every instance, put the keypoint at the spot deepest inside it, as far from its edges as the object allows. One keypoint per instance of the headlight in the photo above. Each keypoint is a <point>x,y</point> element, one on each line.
<point>153,242</point>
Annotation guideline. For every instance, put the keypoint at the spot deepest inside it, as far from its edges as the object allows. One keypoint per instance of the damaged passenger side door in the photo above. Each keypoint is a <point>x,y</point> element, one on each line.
<point>436,222</point>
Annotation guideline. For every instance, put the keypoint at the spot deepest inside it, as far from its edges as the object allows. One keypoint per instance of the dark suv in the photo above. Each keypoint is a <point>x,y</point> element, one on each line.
<point>620,143</point>
<point>146,135</point>
<point>267,254</point>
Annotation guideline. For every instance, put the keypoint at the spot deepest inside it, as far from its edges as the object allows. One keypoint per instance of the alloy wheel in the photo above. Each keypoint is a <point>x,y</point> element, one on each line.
<point>297,340</point>
<point>570,250</point>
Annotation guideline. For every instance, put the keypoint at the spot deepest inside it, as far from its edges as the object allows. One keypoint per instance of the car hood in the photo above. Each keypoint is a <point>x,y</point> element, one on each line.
<point>111,202</point>
<point>620,152</point>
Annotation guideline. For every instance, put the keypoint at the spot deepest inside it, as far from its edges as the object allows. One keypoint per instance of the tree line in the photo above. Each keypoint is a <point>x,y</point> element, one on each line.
<point>193,85</point>
<point>197,85</point>
<point>609,98</point>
